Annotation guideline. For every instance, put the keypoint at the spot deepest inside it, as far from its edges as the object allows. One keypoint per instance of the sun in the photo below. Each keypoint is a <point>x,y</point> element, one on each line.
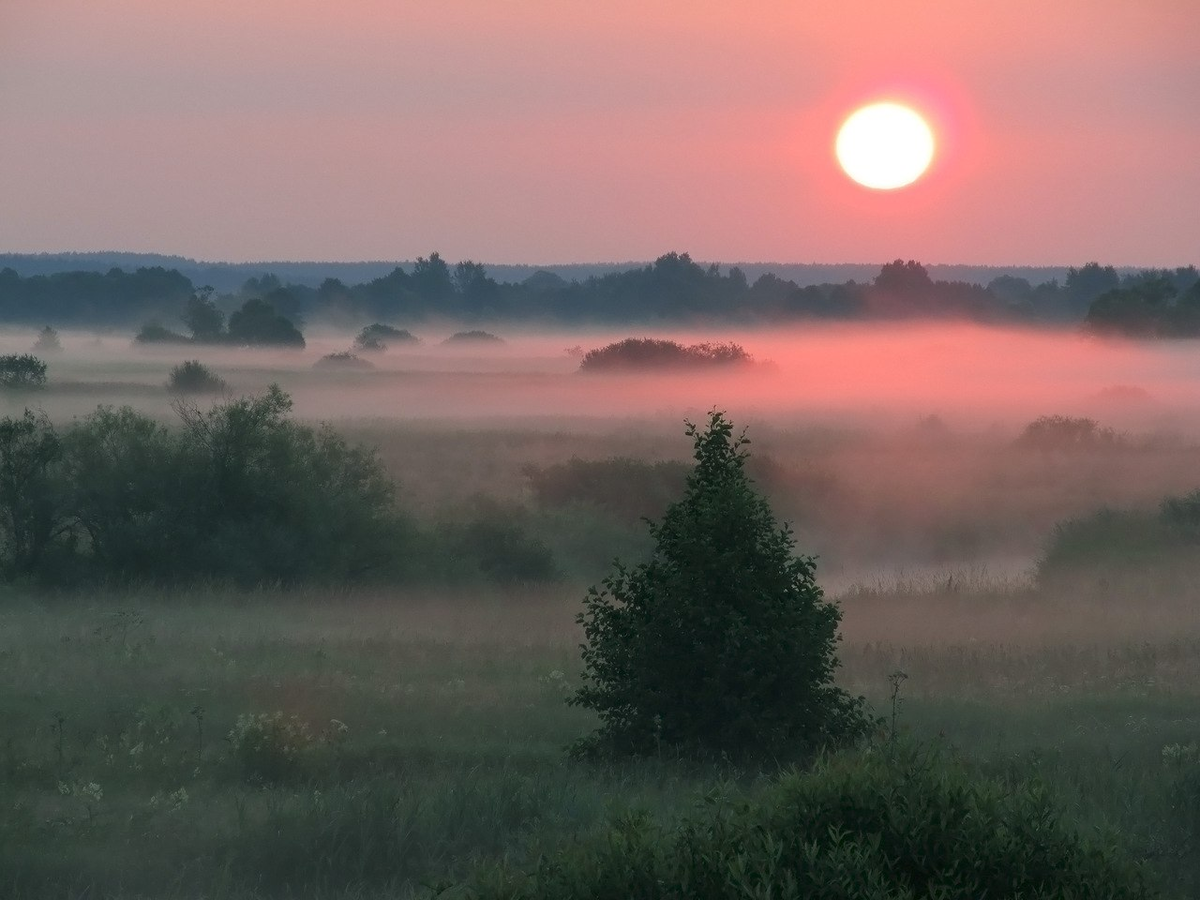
<point>885,146</point>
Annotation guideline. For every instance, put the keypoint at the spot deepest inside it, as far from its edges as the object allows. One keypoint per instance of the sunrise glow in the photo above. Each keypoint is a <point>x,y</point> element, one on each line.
<point>885,146</point>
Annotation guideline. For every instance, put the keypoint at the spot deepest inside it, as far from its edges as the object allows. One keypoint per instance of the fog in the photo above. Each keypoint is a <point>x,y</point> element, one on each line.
<point>893,444</point>
<point>877,374</point>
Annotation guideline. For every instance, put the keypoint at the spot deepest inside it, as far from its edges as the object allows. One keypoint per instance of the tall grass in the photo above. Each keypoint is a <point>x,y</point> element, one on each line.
<point>455,725</point>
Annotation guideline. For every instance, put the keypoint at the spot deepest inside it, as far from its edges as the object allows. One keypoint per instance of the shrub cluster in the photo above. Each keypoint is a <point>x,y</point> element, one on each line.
<point>855,828</point>
<point>493,540</point>
<point>377,337</point>
<point>1114,541</point>
<point>653,353</point>
<point>256,323</point>
<point>193,377</point>
<point>344,361</point>
<point>22,372</point>
<point>239,493</point>
<point>628,489</point>
<point>1066,433</point>
<point>473,337</point>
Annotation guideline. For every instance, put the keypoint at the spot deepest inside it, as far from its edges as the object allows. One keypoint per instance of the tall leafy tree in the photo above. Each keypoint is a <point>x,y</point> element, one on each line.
<point>722,641</point>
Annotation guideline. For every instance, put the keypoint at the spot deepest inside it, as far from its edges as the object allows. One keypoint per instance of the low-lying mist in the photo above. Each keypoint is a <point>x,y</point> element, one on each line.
<point>890,446</point>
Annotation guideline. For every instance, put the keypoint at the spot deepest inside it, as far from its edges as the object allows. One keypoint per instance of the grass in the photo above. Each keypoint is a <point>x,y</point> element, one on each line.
<point>117,777</point>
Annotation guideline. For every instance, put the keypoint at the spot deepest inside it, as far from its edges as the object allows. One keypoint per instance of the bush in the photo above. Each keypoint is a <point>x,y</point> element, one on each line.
<point>345,361</point>
<point>722,641</point>
<point>47,341</point>
<point>473,337</point>
<point>629,489</point>
<point>24,372</point>
<point>377,337</point>
<point>156,333</point>
<point>32,513</point>
<point>240,493</point>
<point>193,377</point>
<point>1066,433</point>
<point>278,502</point>
<point>652,353</point>
<point>130,492</point>
<point>855,828</point>
<point>269,747</point>
<point>1112,542</point>
<point>257,323</point>
<point>494,541</point>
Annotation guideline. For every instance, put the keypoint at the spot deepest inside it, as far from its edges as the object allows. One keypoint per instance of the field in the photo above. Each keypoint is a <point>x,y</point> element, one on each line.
<point>373,742</point>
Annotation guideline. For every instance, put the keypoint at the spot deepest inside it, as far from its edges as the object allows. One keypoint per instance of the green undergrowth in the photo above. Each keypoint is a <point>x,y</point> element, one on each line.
<point>365,745</point>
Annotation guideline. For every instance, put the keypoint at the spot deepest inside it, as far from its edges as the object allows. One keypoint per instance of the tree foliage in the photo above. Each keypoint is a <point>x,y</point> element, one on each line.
<point>258,323</point>
<point>854,828</point>
<point>31,515</point>
<point>22,372</point>
<point>47,341</point>
<point>203,319</point>
<point>473,337</point>
<point>377,337</point>
<point>655,353</point>
<point>723,640</point>
<point>344,361</point>
<point>239,492</point>
<point>193,377</point>
<point>155,332</point>
<point>1066,433</point>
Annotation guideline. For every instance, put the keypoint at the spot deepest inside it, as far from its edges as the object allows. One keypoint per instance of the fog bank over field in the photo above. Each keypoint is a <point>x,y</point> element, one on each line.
<point>971,376</point>
<point>890,448</point>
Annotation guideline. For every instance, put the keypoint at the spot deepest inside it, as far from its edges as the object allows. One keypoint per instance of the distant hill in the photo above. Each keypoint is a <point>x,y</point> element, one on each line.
<point>230,276</point>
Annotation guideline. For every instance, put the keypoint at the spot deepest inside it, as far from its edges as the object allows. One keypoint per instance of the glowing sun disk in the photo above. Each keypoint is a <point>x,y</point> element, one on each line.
<point>885,146</point>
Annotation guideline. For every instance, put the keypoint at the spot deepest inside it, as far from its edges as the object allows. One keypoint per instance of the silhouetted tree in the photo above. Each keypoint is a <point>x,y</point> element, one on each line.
<point>22,372</point>
<point>31,507</point>
<point>47,341</point>
<point>431,279</point>
<point>257,323</point>
<point>202,318</point>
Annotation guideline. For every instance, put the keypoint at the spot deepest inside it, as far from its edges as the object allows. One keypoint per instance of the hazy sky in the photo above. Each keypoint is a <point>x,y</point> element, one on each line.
<point>560,130</point>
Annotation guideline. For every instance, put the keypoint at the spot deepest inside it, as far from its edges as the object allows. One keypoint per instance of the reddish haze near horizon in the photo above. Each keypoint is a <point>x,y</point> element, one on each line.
<point>555,132</point>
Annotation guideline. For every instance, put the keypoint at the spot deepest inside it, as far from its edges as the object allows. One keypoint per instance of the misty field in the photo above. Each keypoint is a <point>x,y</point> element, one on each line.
<point>385,740</point>
<point>430,731</point>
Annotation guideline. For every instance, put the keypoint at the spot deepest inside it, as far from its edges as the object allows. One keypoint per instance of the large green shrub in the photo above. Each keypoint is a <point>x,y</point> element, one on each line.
<point>377,337</point>
<point>855,828</point>
<point>193,377</point>
<point>258,323</point>
<point>1066,433</point>
<point>723,640</point>
<point>22,372</point>
<point>276,501</point>
<point>238,493</point>
<point>32,515</point>
<point>129,495</point>
<point>655,353</point>
<point>493,541</point>
<point>629,489</point>
<point>157,333</point>
<point>1116,543</point>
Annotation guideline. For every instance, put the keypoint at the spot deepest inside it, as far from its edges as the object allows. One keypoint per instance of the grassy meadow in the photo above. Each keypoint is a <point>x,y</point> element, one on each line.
<point>429,731</point>
<point>383,741</point>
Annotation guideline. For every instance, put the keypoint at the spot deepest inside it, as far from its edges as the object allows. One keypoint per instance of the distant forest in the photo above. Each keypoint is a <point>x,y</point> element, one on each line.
<point>673,289</point>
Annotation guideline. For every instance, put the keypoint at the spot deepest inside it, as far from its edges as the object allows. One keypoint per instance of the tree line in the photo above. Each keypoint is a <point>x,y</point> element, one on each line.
<point>674,288</point>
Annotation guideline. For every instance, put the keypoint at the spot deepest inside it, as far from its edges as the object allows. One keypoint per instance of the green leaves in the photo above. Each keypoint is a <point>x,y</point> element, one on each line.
<point>722,641</point>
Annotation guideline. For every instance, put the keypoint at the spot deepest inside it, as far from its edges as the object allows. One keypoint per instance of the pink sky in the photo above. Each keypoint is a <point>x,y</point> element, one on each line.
<point>561,131</point>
